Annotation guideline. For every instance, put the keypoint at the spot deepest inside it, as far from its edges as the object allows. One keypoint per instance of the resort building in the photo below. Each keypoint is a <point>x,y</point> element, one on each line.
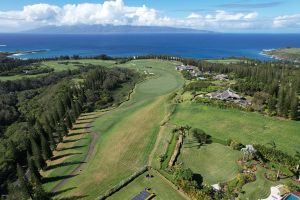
<point>194,71</point>
<point>221,77</point>
<point>228,95</point>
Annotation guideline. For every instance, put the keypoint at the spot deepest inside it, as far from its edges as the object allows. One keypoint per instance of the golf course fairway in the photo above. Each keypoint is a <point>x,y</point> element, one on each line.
<point>127,134</point>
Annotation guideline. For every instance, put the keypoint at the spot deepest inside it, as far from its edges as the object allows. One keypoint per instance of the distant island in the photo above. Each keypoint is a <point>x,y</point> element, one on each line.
<point>110,29</point>
<point>289,54</point>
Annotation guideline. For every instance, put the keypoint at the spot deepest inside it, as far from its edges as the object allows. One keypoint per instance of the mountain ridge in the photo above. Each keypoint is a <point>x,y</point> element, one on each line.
<point>102,29</point>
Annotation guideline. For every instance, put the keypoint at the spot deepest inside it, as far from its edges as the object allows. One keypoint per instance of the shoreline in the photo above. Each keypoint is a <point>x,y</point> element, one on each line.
<point>19,53</point>
<point>283,54</point>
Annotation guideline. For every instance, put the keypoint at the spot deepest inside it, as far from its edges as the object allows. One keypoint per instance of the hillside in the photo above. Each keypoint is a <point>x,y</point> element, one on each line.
<point>289,54</point>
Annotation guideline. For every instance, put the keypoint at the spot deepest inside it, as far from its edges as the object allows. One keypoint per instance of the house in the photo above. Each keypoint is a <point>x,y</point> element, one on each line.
<point>185,68</point>
<point>278,193</point>
<point>221,77</point>
<point>194,71</point>
<point>229,95</point>
<point>225,95</point>
<point>201,78</point>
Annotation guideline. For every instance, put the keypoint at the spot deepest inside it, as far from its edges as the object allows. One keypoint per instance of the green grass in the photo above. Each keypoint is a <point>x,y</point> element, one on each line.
<point>71,64</point>
<point>291,54</point>
<point>215,162</point>
<point>20,76</point>
<point>66,160</point>
<point>59,66</point>
<point>260,188</point>
<point>169,151</point>
<point>245,127</point>
<point>225,61</point>
<point>158,185</point>
<point>127,134</point>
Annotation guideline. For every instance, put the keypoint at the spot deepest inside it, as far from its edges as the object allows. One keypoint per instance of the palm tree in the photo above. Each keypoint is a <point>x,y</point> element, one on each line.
<point>272,144</point>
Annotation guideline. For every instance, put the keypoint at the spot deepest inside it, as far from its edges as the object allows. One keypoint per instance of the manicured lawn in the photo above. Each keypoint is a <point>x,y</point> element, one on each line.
<point>69,153</point>
<point>245,127</point>
<point>215,162</point>
<point>225,61</point>
<point>260,188</point>
<point>71,64</point>
<point>127,134</point>
<point>158,185</point>
<point>59,66</point>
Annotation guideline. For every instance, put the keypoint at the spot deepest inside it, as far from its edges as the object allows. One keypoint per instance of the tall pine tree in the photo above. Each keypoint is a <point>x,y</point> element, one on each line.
<point>24,184</point>
<point>46,150</point>
<point>35,176</point>
<point>36,152</point>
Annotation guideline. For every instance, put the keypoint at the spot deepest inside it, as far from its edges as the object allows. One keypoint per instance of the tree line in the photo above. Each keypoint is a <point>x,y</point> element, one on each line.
<point>30,137</point>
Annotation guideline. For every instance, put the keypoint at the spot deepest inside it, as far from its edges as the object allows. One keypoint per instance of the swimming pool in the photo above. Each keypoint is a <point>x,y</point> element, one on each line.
<point>291,197</point>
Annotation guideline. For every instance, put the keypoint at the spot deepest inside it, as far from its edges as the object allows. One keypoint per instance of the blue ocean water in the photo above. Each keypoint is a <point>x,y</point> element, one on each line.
<point>185,45</point>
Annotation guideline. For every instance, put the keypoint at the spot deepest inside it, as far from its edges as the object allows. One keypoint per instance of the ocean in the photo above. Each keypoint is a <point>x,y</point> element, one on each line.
<point>185,45</point>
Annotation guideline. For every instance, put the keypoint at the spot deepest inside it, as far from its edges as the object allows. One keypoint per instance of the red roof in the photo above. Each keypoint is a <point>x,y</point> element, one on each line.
<point>296,193</point>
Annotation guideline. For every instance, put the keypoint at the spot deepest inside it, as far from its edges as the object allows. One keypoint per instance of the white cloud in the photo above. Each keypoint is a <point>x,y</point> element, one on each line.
<point>222,20</point>
<point>287,21</point>
<point>117,13</point>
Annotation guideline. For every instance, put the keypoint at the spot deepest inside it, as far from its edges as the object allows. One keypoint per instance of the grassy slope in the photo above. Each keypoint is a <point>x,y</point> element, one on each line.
<point>70,153</point>
<point>225,61</point>
<point>286,53</point>
<point>57,66</point>
<point>128,133</point>
<point>215,162</point>
<point>158,185</point>
<point>242,126</point>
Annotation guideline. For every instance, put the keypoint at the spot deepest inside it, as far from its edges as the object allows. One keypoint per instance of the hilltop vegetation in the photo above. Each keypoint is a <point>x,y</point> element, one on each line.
<point>101,128</point>
<point>288,54</point>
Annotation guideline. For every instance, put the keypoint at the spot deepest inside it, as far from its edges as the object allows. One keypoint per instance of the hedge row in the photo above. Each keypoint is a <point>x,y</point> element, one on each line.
<point>122,184</point>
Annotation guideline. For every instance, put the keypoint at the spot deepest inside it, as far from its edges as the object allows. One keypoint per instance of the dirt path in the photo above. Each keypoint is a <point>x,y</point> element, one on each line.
<point>92,145</point>
<point>86,158</point>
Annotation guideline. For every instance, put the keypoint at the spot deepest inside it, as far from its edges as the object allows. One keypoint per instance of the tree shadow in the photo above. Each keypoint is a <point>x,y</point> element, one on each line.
<point>57,178</point>
<point>74,197</point>
<point>87,118</point>
<point>63,164</point>
<point>63,155</point>
<point>80,128</point>
<point>83,122</point>
<point>80,133</point>
<point>199,179</point>
<point>62,191</point>
<point>69,141</point>
<point>74,147</point>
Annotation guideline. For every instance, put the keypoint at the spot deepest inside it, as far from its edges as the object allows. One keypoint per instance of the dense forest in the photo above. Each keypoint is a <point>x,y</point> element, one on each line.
<point>36,113</point>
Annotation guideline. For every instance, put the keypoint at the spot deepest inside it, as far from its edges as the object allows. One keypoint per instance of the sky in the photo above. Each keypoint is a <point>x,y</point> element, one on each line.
<point>239,16</point>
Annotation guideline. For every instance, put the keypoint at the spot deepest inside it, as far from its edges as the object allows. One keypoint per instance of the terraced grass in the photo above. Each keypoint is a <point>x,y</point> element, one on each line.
<point>70,153</point>
<point>215,162</point>
<point>245,127</point>
<point>158,185</point>
<point>126,134</point>
<point>259,189</point>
